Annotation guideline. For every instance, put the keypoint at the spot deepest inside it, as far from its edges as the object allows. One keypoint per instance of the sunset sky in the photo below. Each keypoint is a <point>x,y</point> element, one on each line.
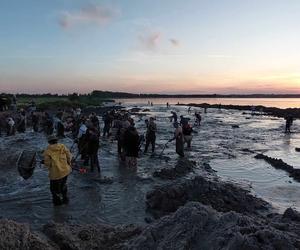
<point>157,46</point>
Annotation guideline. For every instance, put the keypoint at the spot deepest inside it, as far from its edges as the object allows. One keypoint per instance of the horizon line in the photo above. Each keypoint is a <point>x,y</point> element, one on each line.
<point>155,94</point>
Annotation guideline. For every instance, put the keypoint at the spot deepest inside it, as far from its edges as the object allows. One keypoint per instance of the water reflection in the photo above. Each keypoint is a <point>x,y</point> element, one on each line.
<point>267,102</point>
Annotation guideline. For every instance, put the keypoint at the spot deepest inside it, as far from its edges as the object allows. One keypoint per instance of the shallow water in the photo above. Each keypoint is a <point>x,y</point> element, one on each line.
<point>267,102</point>
<point>123,201</point>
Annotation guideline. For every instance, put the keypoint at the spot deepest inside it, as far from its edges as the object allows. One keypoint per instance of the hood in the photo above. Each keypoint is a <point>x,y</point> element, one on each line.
<point>56,147</point>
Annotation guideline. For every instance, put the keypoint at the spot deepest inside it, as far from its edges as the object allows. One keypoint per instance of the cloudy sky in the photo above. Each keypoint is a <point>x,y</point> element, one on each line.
<point>157,46</point>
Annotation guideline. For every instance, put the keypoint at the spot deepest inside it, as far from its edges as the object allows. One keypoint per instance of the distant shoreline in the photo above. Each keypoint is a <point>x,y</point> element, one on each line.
<point>210,96</point>
<point>255,110</point>
<point>125,95</point>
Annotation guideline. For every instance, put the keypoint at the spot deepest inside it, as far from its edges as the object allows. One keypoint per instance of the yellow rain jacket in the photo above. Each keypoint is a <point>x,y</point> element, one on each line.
<point>57,158</point>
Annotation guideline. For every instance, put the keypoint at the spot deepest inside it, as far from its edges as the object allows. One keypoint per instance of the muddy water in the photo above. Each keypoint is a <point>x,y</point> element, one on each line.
<point>123,200</point>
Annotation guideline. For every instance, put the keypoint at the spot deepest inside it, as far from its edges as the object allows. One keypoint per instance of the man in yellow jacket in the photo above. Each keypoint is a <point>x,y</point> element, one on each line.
<point>57,158</point>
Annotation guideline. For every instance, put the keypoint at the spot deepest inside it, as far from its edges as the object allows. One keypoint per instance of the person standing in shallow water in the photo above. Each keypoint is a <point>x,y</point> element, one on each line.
<point>131,146</point>
<point>57,158</point>
<point>187,134</point>
<point>48,124</point>
<point>22,123</point>
<point>173,117</point>
<point>107,124</point>
<point>198,118</point>
<point>93,136</point>
<point>82,141</point>
<point>10,127</point>
<point>179,137</point>
<point>35,121</point>
<point>288,123</point>
<point>150,135</point>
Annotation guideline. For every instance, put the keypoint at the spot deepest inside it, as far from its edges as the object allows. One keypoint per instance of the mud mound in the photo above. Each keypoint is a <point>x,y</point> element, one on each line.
<point>221,196</point>
<point>78,237</point>
<point>182,168</point>
<point>196,226</point>
<point>193,226</point>
<point>134,110</point>
<point>18,236</point>
<point>291,214</point>
<point>271,111</point>
<point>280,164</point>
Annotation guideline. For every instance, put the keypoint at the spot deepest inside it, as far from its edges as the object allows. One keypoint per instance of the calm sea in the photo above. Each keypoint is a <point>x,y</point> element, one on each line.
<point>268,102</point>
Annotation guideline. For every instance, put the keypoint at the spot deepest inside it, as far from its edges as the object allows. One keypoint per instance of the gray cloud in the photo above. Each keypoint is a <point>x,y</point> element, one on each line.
<point>174,42</point>
<point>90,14</point>
<point>150,41</point>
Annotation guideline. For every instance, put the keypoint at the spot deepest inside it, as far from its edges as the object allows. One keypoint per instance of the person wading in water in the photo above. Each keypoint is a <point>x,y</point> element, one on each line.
<point>179,137</point>
<point>131,146</point>
<point>57,158</point>
<point>150,135</point>
<point>93,136</point>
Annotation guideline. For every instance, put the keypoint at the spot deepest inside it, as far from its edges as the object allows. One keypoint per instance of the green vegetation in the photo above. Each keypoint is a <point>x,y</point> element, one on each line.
<point>48,101</point>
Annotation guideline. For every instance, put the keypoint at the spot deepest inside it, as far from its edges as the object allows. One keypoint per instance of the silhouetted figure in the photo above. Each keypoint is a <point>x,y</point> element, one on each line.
<point>183,120</point>
<point>179,139</point>
<point>187,134</point>
<point>288,123</point>
<point>10,126</point>
<point>150,135</point>
<point>48,124</point>
<point>174,117</point>
<point>94,119</point>
<point>107,124</point>
<point>131,146</point>
<point>60,129</point>
<point>83,142</point>
<point>22,122</point>
<point>35,121</point>
<point>93,136</point>
<point>198,118</point>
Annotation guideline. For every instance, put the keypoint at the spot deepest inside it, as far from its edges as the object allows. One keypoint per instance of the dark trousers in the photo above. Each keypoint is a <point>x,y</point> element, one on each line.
<point>11,130</point>
<point>94,161</point>
<point>49,130</point>
<point>22,127</point>
<point>120,146</point>
<point>82,148</point>
<point>59,191</point>
<point>106,130</point>
<point>35,127</point>
<point>150,140</point>
<point>288,127</point>
<point>60,130</point>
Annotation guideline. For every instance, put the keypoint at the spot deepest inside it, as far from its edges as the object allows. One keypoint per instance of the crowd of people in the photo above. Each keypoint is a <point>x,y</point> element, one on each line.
<point>85,130</point>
